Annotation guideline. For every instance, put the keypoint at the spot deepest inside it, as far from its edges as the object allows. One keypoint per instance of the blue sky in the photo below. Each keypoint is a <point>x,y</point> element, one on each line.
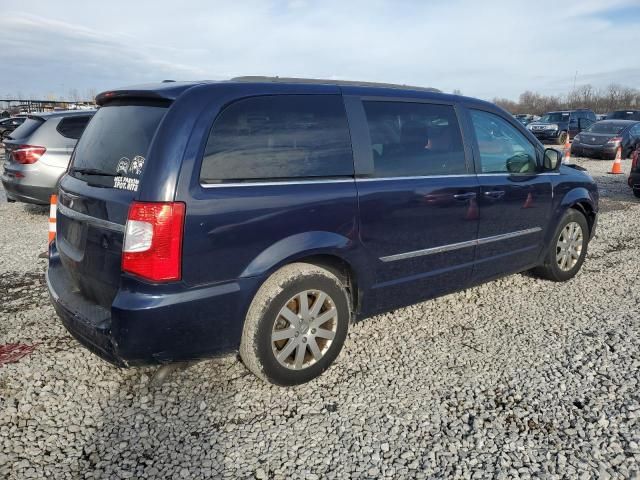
<point>484,48</point>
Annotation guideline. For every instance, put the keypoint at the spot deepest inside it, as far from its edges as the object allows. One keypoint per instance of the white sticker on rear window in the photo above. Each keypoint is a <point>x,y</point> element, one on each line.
<point>136,165</point>
<point>126,183</point>
<point>123,166</point>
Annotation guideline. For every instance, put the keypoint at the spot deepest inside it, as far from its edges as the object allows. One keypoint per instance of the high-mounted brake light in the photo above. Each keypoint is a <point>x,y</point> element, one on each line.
<point>27,154</point>
<point>153,241</point>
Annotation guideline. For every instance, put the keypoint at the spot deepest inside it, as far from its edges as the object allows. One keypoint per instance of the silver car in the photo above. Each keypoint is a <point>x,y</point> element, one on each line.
<point>37,154</point>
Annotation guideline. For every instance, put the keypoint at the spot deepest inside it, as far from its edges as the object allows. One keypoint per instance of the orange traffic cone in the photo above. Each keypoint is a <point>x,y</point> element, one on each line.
<point>567,150</point>
<point>52,218</point>
<point>616,168</point>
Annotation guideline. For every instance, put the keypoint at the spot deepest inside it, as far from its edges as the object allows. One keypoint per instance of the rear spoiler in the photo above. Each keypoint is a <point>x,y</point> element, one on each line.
<point>130,95</point>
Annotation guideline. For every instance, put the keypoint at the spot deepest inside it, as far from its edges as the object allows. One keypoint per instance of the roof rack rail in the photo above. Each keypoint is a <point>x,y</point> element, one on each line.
<point>321,81</point>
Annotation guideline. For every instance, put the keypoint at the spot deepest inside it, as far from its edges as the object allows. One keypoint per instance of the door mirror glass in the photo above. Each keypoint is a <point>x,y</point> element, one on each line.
<point>552,159</point>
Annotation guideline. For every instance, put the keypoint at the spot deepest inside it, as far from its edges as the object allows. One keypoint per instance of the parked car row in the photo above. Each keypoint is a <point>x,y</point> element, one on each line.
<point>203,218</point>
<point>37,153</point>
<point>8,125</point>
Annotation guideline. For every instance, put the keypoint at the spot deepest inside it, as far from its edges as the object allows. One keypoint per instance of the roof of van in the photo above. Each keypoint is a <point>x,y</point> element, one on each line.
<point>170,90</point>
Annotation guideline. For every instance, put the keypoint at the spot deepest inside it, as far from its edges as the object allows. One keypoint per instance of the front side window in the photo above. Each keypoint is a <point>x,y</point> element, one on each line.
<point>503,149</point>
<point>279,137</point>
<point>414,139</point>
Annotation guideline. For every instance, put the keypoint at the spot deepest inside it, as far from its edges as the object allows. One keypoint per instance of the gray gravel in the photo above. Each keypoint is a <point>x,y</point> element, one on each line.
<point>516,378</point>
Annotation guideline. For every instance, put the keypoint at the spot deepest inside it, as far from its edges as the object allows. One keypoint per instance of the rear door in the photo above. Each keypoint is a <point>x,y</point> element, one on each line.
<point>94,197</point>
<point>515,197</point>
<point>417,195</point>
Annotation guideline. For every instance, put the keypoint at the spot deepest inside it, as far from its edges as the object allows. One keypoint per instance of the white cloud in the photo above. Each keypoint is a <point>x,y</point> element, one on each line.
<point>486,49</point>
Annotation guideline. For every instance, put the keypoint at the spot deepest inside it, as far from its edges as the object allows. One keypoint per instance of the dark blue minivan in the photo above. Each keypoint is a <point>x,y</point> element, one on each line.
<point>198,219</point>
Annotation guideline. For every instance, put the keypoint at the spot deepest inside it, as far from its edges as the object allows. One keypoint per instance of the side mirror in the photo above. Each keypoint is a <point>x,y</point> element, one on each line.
<point>552,159</point>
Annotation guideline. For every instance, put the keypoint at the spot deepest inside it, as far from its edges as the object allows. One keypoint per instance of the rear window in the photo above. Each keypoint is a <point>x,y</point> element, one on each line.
<point>117,139</point>
<point>279,137</point>
<point>72,127</point>
<point>29,126</point>
<point>612,128</point>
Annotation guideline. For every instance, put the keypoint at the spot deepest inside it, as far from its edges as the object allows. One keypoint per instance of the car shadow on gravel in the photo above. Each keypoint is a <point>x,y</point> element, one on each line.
<point>177,426</point>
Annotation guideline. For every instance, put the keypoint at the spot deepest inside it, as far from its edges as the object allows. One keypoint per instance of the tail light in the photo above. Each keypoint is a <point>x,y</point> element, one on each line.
<point>635,159</point>
<point>615,140</point>
<point>27,154</point>
<point>153,241</point>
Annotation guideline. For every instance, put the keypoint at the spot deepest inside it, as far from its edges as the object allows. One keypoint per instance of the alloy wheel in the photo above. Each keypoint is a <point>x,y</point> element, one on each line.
<point>569,246</point>
<point>304,329</point>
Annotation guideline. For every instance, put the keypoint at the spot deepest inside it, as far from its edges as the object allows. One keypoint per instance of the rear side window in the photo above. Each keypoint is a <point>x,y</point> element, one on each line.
<point>279,137</point>
<point>72,127</point>
<point>29,126</point>
<point>414,139</point>
<point>117,139</point>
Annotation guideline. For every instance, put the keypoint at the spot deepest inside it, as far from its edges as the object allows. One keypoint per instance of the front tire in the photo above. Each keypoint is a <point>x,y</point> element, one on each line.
<point>296,325</point>
<point>567,250</point>
<point>562,138</point>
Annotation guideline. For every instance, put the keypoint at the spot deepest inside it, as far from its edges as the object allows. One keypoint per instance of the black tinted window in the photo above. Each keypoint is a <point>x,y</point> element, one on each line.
<point>115,136</point>
<point>281,136</point>
<point>72,127</point>
<point>414,139</point>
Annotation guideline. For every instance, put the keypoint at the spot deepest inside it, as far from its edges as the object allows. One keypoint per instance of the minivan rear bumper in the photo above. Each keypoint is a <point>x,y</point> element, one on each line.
<point>153,324</point>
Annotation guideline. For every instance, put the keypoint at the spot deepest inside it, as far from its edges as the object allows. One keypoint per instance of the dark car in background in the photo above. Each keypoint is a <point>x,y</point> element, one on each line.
<point>37,154</point>
<point>554,127</point>
<point>602,139</point>
<point>204,218</point>
<point>8,125</point>
<point>525,118</point>
<point>624,115</point>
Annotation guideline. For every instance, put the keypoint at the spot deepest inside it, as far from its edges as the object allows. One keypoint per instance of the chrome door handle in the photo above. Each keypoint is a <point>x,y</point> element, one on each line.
<point>465,196</point>
<point>494,193</point>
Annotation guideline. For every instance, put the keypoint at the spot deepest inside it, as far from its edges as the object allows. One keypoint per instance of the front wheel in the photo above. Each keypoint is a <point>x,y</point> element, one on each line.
<point>296,325</point>
<point>562,138</point>
<point>567,250</point>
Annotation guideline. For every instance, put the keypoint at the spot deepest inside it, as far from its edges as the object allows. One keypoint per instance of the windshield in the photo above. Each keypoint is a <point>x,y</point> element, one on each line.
<point>116,141</point>
<point>625,115</point>
<point>612,128</point>
<point>555,117</point>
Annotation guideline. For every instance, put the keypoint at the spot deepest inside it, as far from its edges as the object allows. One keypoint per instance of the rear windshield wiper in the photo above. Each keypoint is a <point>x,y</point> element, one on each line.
<point>92,171</point>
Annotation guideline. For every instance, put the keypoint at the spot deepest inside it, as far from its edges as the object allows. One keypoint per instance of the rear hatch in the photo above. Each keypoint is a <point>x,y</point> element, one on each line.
<point>19,136</point>
<point>103,179</point>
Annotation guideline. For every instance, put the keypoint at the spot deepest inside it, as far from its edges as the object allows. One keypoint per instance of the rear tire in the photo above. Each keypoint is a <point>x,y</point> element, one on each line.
<point>636,192</point>
<point>567,250</point>
<point>288,337</point>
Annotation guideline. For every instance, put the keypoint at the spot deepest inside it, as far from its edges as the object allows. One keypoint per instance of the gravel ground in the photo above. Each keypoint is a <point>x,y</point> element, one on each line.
<point>516,378</point>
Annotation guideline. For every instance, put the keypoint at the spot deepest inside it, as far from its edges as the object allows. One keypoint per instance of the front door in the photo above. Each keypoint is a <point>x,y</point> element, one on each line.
<point>418,210</point>
<point>514,200</point>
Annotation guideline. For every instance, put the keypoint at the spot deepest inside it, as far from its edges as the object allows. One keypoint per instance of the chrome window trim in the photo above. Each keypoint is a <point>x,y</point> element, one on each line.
<point>83,217</point>
<point>281,182</point>
<point>459,245</point>
<point>366,179</point>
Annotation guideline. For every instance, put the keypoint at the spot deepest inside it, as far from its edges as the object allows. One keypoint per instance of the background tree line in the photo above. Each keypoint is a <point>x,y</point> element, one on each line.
<point>613,97</point>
